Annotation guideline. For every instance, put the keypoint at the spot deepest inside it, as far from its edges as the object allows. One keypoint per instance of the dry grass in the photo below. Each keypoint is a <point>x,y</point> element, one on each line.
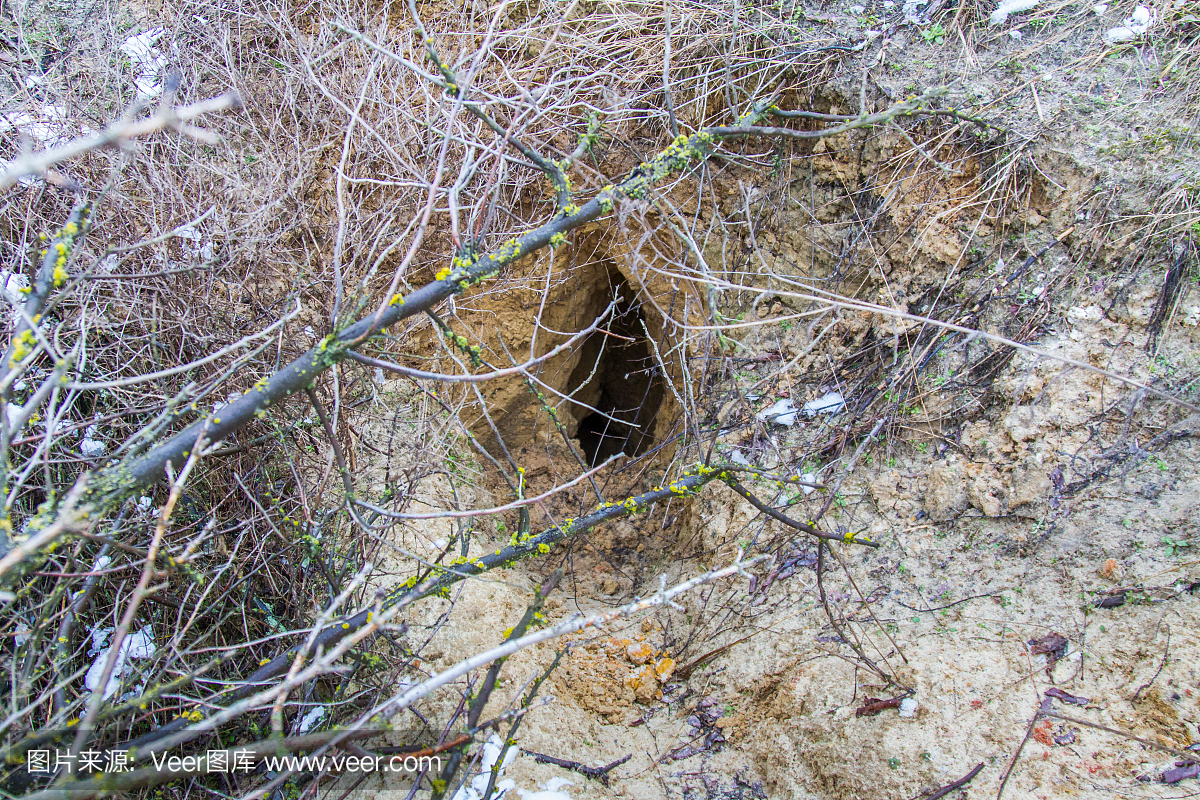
<point>349,174</point>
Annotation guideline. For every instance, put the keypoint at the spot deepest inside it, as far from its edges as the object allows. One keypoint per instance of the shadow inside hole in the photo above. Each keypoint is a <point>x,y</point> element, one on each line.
<point>618,376</point>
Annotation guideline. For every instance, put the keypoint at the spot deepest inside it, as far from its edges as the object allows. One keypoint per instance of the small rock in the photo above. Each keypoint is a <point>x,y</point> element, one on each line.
<point>639,652</point>
<point>945,491</point>
<point>985,489</point>
<point>1120,34</point>
<point>645,685</point>
<point>908,708</point>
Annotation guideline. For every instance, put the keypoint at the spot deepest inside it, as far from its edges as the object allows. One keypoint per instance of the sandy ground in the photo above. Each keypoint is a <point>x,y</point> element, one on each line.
<point>1004,520</point>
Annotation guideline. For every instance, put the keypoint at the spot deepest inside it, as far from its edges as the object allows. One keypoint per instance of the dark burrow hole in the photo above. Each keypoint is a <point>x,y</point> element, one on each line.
<point>618,376</point>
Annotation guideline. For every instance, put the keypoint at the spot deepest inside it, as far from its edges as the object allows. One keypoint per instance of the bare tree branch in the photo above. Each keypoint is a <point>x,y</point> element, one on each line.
<point>118,133</point>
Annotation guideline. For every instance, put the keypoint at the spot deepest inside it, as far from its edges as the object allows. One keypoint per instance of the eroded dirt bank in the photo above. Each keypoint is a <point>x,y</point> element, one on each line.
<point>1012,495</point>
<point>1036,518</point>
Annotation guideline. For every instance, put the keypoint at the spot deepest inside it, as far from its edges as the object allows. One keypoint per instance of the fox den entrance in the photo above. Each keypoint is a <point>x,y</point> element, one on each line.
<point>618,376</point>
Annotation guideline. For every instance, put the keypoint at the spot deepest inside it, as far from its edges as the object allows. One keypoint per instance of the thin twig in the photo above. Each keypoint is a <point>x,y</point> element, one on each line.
<point>958,784</point>
<point>598,773</point>
<point>118,132</point>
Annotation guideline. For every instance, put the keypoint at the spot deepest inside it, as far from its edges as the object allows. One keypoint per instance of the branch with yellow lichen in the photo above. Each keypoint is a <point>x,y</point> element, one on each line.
<point>112,485</point>
<point>521,548</point>
<point>688,485</point>
<point>370,722</point>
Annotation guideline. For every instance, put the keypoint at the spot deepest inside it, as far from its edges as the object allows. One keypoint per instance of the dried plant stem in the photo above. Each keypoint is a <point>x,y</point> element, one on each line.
<point>119,132</point>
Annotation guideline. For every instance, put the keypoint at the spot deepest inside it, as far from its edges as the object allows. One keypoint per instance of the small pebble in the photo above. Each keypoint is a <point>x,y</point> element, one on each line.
<point>639,652</point>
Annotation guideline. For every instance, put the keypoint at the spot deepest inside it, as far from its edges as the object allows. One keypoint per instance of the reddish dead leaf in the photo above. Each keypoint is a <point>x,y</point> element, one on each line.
<point>1053,646</point>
